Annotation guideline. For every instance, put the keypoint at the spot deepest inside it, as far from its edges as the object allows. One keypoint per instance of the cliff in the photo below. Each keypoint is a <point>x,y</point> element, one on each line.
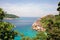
<point>41,23</point>
<point>37,26</point>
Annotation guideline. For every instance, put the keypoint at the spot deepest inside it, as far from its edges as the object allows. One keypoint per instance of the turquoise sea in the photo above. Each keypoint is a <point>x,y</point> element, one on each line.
<point>24,25</point>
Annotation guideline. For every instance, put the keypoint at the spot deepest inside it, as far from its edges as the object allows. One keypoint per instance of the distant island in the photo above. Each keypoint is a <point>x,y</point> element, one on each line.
<point>11,16</point>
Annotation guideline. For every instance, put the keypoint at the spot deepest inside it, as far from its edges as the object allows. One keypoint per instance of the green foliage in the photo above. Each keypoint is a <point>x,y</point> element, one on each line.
<point>45,20</point>
<point>58,9</point>
<point>6,31</point>
<point>41,36</point>
<point>59,4</point>
<point>26,38</point>
<point>6,28</point>
<point>2,14</point>
<point>52,25</point>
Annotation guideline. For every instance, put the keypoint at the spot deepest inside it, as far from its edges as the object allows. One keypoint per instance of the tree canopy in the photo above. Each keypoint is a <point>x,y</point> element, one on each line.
<point>2,14</point>
<point>7,31</point>
<point>52,26</point>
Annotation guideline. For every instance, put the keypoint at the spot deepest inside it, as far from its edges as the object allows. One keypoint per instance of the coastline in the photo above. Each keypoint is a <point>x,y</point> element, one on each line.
<point>9,18</point>
<point>37,25</point>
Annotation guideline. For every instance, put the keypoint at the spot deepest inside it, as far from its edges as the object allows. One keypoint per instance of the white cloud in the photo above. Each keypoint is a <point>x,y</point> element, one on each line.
<point>30,10</point>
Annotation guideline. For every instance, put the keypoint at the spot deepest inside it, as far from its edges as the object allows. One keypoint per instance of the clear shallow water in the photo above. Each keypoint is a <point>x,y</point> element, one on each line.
<point>24,25</point>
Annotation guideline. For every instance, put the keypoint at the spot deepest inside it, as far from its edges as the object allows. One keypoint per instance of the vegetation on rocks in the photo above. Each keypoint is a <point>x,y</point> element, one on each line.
<point>52,25</point>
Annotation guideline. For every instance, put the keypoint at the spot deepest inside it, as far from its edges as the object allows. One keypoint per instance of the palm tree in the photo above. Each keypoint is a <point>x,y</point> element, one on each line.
<point>2,14</point>
<point>59,4</point>
<point>58,9</point>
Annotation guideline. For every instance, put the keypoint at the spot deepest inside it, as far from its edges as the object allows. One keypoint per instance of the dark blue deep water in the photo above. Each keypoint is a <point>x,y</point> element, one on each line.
<point>24,25</point>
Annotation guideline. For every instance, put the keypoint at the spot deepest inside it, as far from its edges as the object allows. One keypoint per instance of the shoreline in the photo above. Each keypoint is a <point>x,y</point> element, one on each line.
<point>9,18</point>
<point>37,25</point>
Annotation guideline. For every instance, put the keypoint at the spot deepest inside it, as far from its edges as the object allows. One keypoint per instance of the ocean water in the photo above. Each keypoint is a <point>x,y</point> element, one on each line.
<point>24,25</point>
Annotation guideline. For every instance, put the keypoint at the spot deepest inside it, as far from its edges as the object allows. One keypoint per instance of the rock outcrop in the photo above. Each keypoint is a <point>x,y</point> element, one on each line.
<point>37,26</point>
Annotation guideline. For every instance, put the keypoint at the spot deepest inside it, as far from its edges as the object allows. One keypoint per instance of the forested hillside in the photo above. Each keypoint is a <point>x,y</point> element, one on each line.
<point>10,16</point>
<point>52,25</point>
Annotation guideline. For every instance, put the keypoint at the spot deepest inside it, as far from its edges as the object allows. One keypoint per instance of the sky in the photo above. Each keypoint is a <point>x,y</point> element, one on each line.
<point>30,8</point>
